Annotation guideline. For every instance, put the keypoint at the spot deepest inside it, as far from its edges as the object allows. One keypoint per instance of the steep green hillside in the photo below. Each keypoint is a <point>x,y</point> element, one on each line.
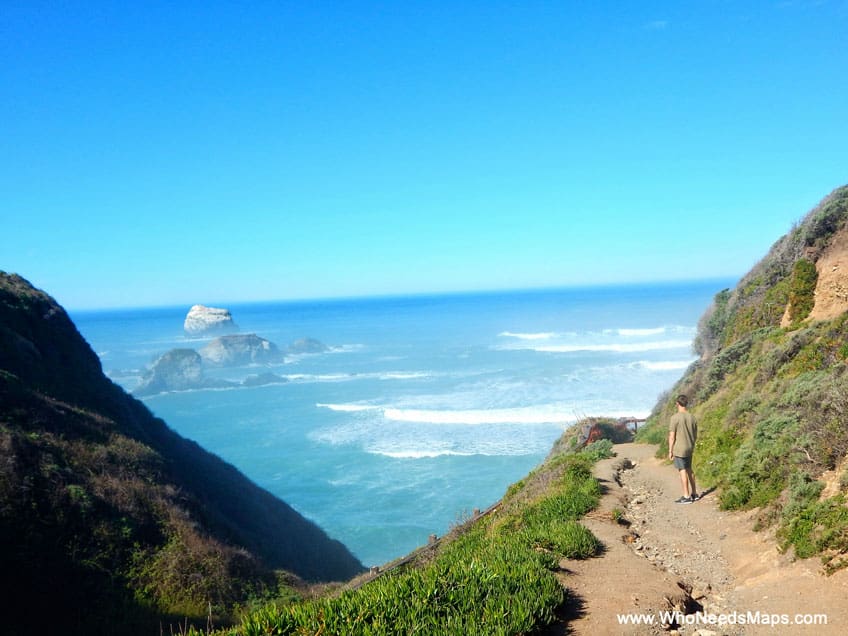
<point>771,388</point>
<point>108,518</point>
<point>495,574</point>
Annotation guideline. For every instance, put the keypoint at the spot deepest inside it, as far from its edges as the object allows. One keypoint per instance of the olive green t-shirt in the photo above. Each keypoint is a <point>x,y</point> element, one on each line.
<point>685,433</point>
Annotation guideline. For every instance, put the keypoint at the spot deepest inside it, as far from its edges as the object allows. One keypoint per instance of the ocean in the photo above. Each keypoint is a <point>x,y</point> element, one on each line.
<point>424,407</point>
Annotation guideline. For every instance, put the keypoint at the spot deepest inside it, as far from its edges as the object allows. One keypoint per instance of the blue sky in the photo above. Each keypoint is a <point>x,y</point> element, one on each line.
<point>173,153</point>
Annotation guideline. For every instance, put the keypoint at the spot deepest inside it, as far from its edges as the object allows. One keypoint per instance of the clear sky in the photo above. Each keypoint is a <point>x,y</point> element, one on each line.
<point>178,152</point>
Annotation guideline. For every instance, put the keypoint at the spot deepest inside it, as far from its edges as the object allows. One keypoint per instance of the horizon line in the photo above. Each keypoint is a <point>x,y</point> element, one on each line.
<point>727,281</point>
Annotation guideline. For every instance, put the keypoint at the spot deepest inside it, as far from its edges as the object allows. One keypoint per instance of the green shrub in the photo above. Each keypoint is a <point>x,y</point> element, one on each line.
<point>826,220</point>
<point>713,324</point>
<point>802,290</point>
<point>760,469</point>
<point>599,449</point>
<point>724,363</point>
<point>652,432</point>
<point>775,300</point>
<point>715,453</point>
<point>814,527</point>
<point>820,398</point>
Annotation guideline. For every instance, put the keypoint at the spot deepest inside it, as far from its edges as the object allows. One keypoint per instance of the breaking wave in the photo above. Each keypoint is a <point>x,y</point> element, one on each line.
<point>545,414</point>
<point>616,347</point>
<point>418,454</point>
<point>665,365</point>
<point>641,332</point>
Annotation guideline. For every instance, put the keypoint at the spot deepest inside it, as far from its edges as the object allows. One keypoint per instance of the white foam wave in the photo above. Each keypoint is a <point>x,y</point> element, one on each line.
<point>323,377</point>
<point>519,415</point>
<point>417,454</point>
<point>403,375</point>
<point>347,348</point>
<point>214,389</point>
<point>665,365</point>
<point>545,335</point>
<point>632,347</point>
<point>641,332</point>
<point>560,414</point>
<point>348,408</point>
<point>345,377</point>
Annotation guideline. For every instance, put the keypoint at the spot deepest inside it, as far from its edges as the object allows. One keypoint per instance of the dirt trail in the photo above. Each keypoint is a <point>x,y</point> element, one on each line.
<point>693,558</point>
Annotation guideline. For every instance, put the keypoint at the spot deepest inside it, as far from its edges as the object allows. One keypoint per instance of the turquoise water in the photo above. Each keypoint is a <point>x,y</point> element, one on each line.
<point>425,407</point>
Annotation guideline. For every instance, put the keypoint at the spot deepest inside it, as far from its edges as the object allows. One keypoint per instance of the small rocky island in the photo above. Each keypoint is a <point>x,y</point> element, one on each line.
<point>202,320</point>
<point>185,369</point>
<point>307,345</point>
<point>241,349</point>
<point>177,370</point>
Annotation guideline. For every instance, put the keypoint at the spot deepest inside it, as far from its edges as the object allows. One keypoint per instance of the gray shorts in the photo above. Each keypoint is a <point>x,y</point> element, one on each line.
<point>682,463</point>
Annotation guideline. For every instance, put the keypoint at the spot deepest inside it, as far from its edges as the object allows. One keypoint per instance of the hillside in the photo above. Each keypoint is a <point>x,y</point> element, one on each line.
<point>771,389</point>
<point>108,518</point>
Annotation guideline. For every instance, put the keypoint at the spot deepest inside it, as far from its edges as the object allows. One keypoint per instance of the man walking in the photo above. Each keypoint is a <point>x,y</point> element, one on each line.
<point>682,433</point>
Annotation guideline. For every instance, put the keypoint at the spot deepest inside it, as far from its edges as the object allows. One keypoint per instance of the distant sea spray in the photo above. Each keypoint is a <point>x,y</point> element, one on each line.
<point>422,408</point>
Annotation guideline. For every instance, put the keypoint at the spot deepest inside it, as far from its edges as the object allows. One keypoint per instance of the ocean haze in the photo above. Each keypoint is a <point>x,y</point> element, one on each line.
<point>424,407</point>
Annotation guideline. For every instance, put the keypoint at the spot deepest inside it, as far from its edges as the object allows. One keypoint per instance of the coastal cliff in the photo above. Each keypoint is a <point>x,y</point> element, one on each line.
<point>110,515</point>
<point>771,389</point>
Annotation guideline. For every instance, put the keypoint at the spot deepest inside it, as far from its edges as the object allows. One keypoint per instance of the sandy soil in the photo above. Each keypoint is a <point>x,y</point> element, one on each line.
<point>831,294</point>
<point>832,286</point>
<point>693,558</point>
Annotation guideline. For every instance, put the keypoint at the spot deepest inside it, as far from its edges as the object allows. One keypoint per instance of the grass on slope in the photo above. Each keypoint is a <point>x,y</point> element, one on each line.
<point>495,577</point>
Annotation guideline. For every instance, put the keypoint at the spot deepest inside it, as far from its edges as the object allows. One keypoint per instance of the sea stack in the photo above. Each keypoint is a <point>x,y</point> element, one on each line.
<point>241,349</point>
<point>201,320</point>
<point>177,370</point>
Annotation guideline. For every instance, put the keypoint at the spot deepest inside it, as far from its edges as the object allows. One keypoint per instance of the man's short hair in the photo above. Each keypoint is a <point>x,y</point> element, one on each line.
<point>683,400</point>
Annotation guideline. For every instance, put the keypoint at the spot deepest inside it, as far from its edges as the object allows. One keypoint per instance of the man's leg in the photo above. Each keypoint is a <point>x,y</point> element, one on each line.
<point>684,481</point>
<point>690,478</point>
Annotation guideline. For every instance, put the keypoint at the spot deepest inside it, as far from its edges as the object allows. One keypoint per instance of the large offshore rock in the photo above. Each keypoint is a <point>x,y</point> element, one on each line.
<point>202,320</point>
<point>240,349</point>
<point>308,345</point>
<point>177,370</point>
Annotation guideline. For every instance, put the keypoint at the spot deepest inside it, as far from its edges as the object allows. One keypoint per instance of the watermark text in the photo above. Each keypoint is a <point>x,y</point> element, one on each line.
<point>720,620</point>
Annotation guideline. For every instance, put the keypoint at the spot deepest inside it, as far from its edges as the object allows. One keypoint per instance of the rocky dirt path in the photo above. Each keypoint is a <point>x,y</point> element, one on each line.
<point>661,556</point>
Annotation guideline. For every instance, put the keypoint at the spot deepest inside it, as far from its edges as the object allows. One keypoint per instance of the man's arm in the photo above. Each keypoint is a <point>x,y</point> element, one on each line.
<point>671,438</point>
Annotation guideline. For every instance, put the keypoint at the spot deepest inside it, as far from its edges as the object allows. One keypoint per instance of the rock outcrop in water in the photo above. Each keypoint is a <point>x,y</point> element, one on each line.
<point>308,345</point>
<point>263,379</point>
<point>240,349</point>
<point>184,369</point>
<point>202,320</point>
<point>177,370</point>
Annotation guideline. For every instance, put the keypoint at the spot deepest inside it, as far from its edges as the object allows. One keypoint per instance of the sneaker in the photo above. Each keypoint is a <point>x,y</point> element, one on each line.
<point>683,500</point>
<point>695,497</point>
